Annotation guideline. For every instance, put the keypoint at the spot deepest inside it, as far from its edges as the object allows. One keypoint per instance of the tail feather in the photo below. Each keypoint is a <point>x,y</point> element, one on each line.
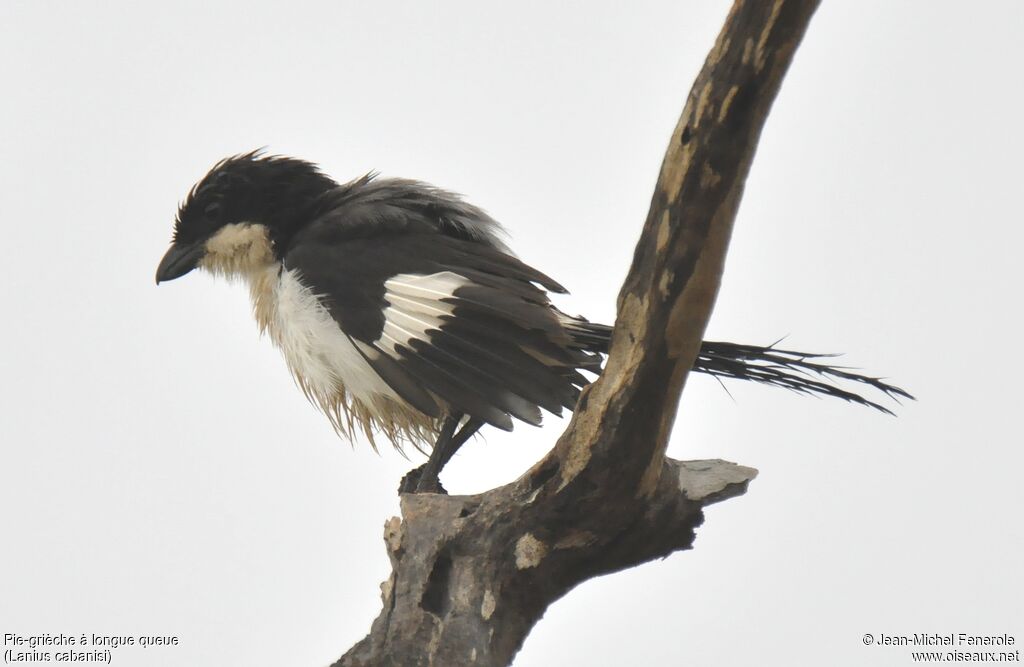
<point>802,372</point>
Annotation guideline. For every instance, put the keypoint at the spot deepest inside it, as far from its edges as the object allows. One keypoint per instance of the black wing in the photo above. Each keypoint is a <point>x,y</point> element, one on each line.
<point>450,324</point>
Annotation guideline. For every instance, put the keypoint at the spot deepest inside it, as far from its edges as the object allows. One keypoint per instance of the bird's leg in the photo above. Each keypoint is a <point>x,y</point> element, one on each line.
<point>439,455</point>
<point>425,478</point>
<point>471,426</point>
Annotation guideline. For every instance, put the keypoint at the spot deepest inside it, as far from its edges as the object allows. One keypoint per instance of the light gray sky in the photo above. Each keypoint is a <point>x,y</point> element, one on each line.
<point>162,475</point>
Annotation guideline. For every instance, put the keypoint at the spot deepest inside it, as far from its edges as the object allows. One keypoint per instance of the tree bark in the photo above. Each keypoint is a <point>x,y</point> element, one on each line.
<point>471,575</point>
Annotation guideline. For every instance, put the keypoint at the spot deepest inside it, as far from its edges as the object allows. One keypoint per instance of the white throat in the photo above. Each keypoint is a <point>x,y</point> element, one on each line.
<point>239,250</point>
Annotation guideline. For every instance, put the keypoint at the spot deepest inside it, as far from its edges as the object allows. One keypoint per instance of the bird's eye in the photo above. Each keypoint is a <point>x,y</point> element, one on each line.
<point>212,212</point>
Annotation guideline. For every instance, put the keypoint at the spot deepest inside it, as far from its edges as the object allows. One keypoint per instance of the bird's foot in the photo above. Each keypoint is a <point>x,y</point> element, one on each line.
<point>414,482</point>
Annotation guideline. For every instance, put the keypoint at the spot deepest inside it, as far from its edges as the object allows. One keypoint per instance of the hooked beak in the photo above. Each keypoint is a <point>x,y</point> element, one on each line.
<point>179,260</point>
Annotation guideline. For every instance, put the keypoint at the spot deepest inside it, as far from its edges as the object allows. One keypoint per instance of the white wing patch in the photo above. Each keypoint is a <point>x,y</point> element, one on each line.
<point>415,307</point>
<point>435,286</point>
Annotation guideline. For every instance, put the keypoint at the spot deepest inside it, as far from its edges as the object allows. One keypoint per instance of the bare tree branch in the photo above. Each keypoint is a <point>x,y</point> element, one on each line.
<point>472,574</point>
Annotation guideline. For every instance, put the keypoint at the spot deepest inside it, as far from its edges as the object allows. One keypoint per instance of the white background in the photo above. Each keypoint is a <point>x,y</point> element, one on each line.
<point>162,475</point>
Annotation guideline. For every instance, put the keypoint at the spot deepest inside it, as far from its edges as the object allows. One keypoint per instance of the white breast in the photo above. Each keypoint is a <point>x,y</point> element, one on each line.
<point>321,357</point>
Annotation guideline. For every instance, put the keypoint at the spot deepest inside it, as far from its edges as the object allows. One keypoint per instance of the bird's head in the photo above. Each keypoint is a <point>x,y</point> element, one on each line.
<point>235,219</point>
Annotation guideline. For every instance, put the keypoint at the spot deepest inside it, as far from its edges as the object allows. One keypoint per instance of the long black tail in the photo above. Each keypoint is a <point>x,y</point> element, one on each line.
<point>802,372</point>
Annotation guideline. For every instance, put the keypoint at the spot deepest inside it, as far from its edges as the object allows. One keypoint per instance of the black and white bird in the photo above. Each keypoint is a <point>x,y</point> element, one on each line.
<point>402,313</point>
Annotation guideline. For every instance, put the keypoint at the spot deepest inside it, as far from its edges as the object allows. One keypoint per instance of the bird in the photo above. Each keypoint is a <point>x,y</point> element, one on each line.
<point>402,313</point>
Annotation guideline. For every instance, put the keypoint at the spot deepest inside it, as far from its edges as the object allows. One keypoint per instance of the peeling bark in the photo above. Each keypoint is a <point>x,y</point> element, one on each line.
<point>471,575</point>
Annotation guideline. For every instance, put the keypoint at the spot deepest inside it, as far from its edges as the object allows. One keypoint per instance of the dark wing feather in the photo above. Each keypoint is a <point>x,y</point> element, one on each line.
<point>398,379</point>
